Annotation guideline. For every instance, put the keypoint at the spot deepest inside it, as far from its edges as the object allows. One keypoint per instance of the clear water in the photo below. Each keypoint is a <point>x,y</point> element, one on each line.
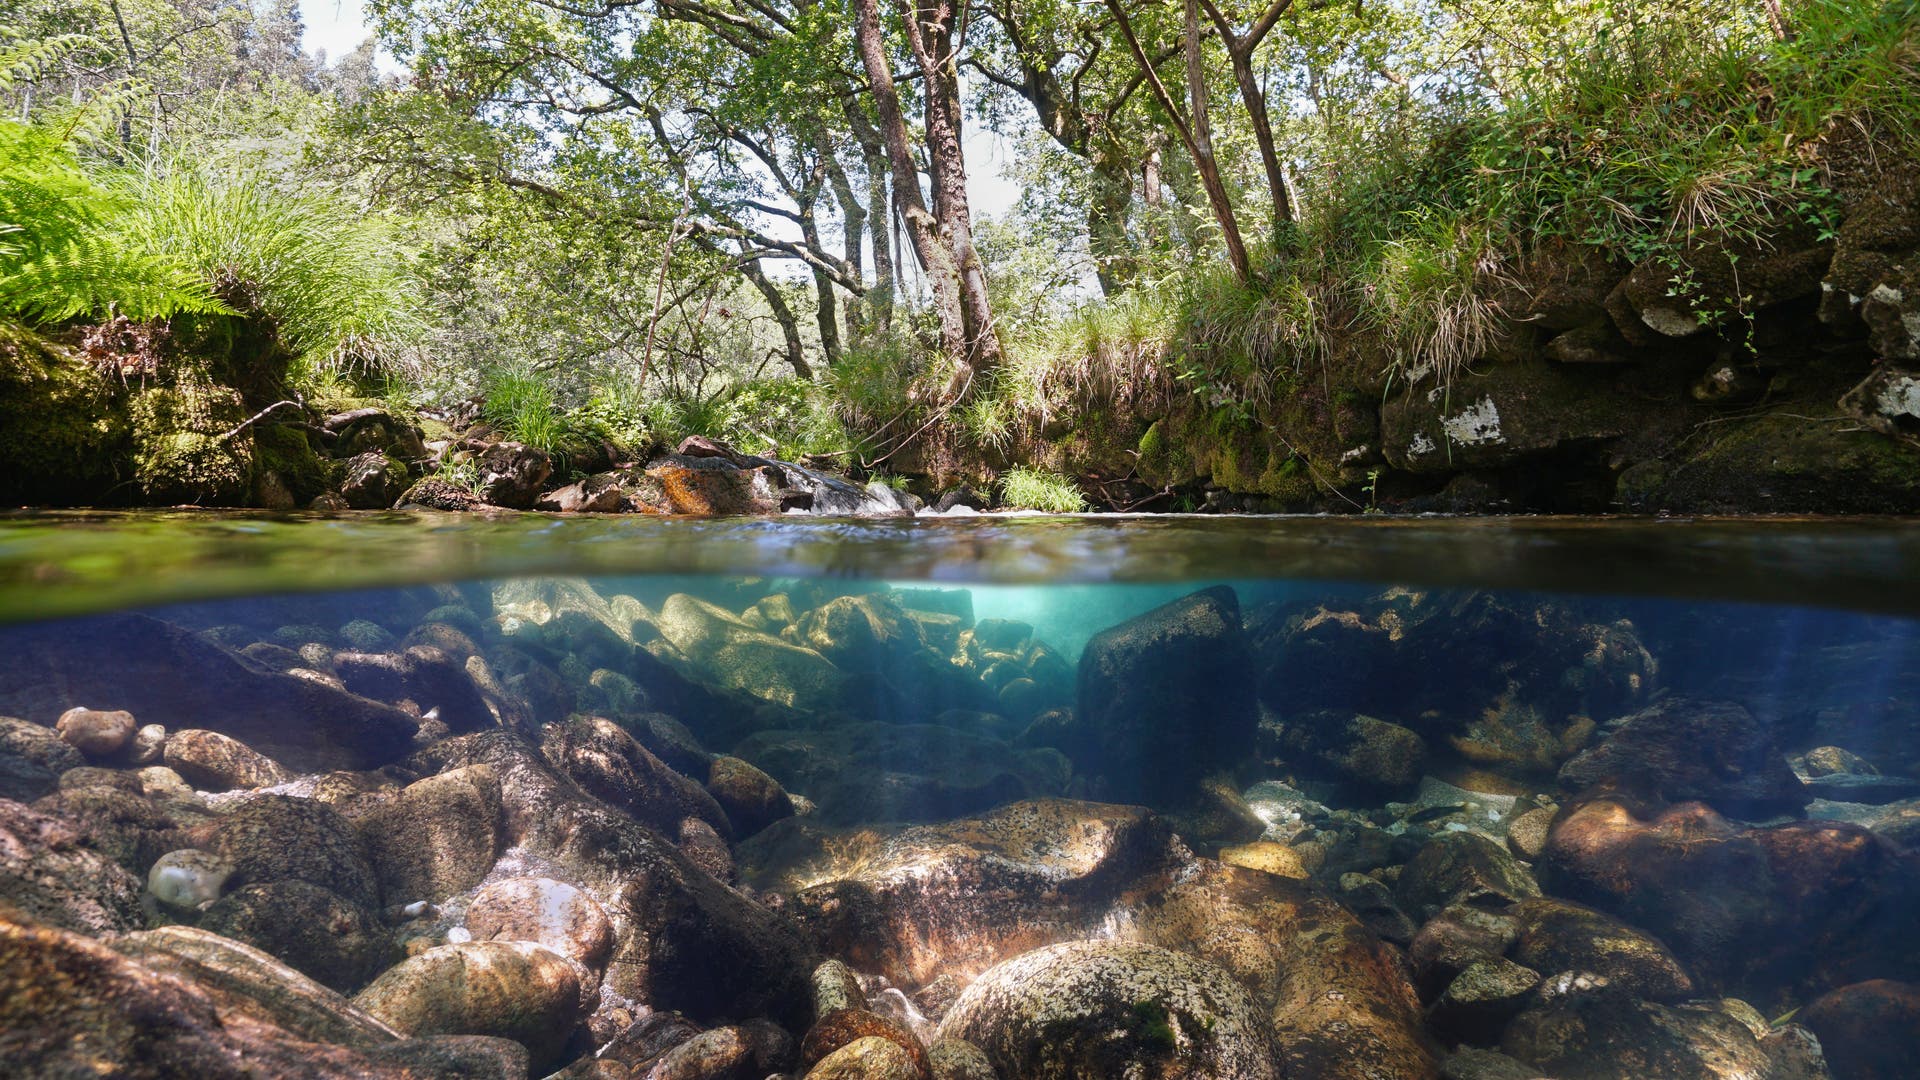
<point>1658,780</point>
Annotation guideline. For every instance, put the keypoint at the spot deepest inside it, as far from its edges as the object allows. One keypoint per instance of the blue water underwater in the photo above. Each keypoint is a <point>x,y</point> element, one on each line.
<point>1232,826</point>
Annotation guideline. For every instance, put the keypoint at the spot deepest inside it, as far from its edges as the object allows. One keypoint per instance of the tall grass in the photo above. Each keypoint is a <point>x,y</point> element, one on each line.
<point>1031,489</point>
<point>337,281</point>
<point>521,403</point>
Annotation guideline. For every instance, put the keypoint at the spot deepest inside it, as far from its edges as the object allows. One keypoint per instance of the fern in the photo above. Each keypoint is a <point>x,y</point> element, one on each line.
<point>62,254</point>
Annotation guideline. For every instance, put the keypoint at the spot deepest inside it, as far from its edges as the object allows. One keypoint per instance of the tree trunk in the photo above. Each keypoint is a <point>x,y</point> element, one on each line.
<point>1240,50</point>
<point>782,314</point>
<point>1203,158</point>
<point>943,272</point>
<point>1115,262</point>
<point>879,220</point>
<point>930,27</point>
<point>1191,135</point>
<point>853,219</point>
<point>826,309</point>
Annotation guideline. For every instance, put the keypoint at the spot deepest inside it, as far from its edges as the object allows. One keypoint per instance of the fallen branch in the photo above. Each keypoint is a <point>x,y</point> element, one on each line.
<point>254,419</point>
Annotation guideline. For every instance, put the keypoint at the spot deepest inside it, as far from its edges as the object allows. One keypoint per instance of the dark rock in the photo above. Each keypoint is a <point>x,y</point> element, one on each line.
<point>32,757</point>
<point>610,764</point>
<point>1482,998</point>
<point>1557,936</point>
<point>1869,1030</point>
<point>752,799</point>
<point>123,825</point>
<point>1372,754</point>
<point>435,838</point>
<point>721,1054</point>
<point>277,838</point>
<point>901,772</point>
<point>599,494</point>
<point>1096,1008</point>
<point>372,481</point>
<point>511,474</point>
<point>1454,940</point>
<point>1462,868</point>
<point>73,1007</point>
<point>302,723</point>
<point>425,675</point>
<point>308,927</point>
<point>1682,749</point>
<point>1168,696</point>
<point>871,1058</point>
<point>46,875</point>
<point>434,493</point>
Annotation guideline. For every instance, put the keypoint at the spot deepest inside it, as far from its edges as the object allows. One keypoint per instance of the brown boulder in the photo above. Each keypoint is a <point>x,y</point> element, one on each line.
<point>546,912</point>
<point>510,990</point>
<point>95,733</point>
<point>1681,749</point>
<point>436,837</point>
<point>46,875</point>
<point>1869,1030</point>
<point>752,799</point>
<point>611,765</point>
<point>211,761</point>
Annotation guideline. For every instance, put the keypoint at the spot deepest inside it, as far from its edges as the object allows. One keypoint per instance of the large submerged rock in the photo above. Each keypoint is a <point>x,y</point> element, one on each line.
<point>1094,1009</point>
<point>1168,696</point>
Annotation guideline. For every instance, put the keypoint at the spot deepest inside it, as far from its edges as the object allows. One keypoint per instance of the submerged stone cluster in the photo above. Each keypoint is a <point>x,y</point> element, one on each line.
<point>789,829</point>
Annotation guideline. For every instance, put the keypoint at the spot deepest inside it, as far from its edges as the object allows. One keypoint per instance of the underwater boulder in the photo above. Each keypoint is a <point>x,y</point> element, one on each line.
<point>683,940</point>
<point>32,757</point>
<point>902,772</point>
<point>1453,941</point>
<point>969,893</point>
<point>308,927</point>
<point>1869,1030</point>
<point>871,1058</point>
<point>429,677</point>
<point>435,838</point>
<point>1088,1010</point>
<point>611,765</point>
<point>1556,935</point>
<point>508,989</point>
<point>1462,868</point>
<point>116,820</point>
<point>205,1008</point>
<point>1372,755</point>
<point>546,912</point>
<point>1749,909</point>
<point>1169,695</point>
<point>211,761</point>
<point>168,675</point>
<point>45,874</point>
<point>1338,998</point>
<point>99,734</point>
<point>280,838</point>
<point>728,653</point>
<point>1607,1034</point>
<point>752,799</point>
<point>1680,749</point>
<point>844,1026</point>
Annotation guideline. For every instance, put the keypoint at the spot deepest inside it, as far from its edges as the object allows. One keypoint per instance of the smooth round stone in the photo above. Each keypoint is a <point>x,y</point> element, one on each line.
<point>551,913</point>
<point>184,880</point>
<point>149,743</point>
<point>511,989</point>
<point>96,733</point>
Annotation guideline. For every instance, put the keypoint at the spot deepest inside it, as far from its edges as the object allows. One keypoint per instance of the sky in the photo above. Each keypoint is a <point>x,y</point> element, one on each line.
<point>337,27</point>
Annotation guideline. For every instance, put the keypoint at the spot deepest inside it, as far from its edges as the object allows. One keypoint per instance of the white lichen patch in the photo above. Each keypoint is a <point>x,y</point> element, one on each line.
<point>1899,397</point>
<point>1478,423</point>
<point>1671,323</point>
<point>1886,294</point>
<point>1420,445</point>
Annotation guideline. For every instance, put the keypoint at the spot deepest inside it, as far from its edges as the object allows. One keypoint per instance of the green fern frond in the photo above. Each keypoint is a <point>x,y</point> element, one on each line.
<point>24,61</point>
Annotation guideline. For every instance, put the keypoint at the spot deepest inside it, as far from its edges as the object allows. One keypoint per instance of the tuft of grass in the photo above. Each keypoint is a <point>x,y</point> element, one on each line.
<point>336,281</point>
<point>1032,489</point>
<point>520,401</point>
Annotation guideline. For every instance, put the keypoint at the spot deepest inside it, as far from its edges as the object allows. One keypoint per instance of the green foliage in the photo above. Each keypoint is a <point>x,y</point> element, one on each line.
<point>1032,489</point>
<point>520,402</point>
<point>64,251</point>
<point>336,280</point>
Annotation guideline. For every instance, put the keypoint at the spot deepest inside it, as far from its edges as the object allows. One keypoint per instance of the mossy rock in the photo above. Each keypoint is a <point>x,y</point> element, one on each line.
<point>180,449</point>
<point>1508,411</point>
<point>288,454</point>
<point>1782,463</point>
<point>63,430</point>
